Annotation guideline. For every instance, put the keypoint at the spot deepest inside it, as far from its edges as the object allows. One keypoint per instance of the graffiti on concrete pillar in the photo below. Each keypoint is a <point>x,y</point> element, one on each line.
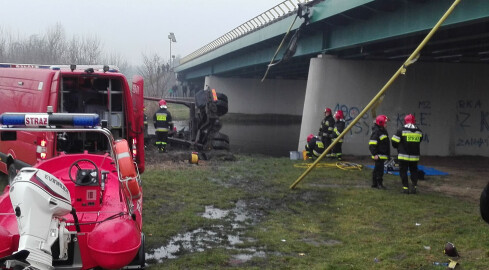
<point>472,116</point>
<point>462,119</point>
<point>350,113</point>
<point>468,112</point>
<point>473,142</point>
<point>469,104</point>
<point>484,121</point>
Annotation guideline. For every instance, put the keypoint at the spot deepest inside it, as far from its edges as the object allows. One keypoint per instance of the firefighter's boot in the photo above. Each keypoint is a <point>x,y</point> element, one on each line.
<point>380,184</point>
<point>374,183</point>
<point>405,190</point>
<point>414,190</point>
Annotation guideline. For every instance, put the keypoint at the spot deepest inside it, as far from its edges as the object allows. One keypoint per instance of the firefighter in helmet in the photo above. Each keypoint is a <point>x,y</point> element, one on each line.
<point>407,140</point>
<point>339,126</point>
<point>314,147</point>
<point>163,124</point>
<point>380,149</point>
<point>326,129</point>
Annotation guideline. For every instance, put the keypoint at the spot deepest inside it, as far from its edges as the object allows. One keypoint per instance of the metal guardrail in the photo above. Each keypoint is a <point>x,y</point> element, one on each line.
<point>284,9</point>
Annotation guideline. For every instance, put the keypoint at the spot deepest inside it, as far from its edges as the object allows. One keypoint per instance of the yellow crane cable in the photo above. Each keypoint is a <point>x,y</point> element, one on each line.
<point>402,70</point>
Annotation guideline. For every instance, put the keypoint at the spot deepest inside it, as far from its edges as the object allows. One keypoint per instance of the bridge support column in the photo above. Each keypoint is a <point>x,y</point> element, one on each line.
<point>449,100</point>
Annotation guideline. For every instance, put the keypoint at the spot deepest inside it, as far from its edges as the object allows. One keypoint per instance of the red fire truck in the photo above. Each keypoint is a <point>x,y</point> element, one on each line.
<point>70,89</point>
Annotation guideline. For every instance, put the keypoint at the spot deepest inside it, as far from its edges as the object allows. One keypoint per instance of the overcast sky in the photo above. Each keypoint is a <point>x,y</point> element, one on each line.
<point>133,27</point>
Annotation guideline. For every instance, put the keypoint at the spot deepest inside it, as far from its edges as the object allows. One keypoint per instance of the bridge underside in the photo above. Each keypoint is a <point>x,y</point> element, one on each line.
<point>345,56</point>
<point>362,30</point>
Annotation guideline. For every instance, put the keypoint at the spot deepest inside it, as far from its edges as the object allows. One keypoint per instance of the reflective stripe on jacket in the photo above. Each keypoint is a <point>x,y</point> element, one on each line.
<point>314,147</point>
<point>162,120</point>
<point>339,126</point>
<point>379,144</point>
<point>327,126</point>
<point>407,140</point>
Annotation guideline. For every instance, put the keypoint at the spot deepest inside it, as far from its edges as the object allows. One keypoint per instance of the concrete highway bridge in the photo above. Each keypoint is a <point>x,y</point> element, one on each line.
<point>345,52</point>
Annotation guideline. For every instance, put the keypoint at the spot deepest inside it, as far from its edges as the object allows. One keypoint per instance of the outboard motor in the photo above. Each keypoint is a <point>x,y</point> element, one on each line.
<point>39,199</point>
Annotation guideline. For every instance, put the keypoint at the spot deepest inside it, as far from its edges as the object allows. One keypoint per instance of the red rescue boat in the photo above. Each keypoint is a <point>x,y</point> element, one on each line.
<point>72,211</point>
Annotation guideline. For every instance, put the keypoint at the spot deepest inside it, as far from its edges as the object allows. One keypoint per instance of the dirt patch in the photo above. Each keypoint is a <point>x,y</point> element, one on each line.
<point>466,178</point>
<point>467,175</point>
<point>178,155</point>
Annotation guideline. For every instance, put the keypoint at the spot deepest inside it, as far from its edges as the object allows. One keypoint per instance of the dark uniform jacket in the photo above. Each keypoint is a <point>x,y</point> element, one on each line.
<point>327,126</point>
<point>162,120</point>
<point>145,120</point>
<point>379,143</point>
<point>407,140</point>
<point>315,147</point>
<point>339,126</point>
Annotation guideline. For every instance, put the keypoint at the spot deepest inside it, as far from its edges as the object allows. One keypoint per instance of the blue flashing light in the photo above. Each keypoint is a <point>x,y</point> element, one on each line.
<point>12,119</point>
<point>5,65</point>
<point>46,119</point>
<point>86,120</point>
<point>113,70</point>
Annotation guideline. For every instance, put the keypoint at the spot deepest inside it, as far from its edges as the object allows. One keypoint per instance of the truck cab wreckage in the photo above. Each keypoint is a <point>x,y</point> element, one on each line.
<point>203,132</point>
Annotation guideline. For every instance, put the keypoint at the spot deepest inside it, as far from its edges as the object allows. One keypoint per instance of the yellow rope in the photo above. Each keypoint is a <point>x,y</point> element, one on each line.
<point>341,165</point>
<point>349,166</point>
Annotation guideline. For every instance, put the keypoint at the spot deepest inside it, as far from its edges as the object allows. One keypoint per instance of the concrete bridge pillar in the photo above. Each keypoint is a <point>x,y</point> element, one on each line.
<point>449,100</point>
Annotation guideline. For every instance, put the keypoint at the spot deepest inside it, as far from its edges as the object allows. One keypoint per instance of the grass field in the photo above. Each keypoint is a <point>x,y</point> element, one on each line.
<point>331,220</point>
<point>179,112</point>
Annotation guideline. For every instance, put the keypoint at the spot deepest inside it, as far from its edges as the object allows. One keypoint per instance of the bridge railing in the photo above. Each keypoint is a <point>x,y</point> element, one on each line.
<point>280,11</point>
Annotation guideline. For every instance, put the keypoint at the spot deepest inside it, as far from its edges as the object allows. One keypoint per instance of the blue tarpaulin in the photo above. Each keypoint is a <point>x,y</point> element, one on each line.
<point>426,170</point>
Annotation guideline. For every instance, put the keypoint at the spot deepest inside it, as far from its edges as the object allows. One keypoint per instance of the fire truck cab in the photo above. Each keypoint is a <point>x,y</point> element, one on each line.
<point>69,89</point>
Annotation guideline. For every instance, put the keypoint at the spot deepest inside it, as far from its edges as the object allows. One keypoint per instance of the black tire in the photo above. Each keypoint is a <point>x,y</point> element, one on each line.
<point>12,172</point>
<point>222,107</point>
<point>223,97</point>
<point>484,204</point>
<point>220,145</point>
<point>141,253</point>
<point>221,137</point>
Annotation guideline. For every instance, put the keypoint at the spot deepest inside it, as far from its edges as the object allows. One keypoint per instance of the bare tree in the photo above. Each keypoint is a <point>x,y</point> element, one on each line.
<point>55,44</point>
<point>157,77</point>
<point>117,60</point>
<point>91,49</point>
<point>54,48</point>
<point>34,50</point>
<point>84,51</point>
<point>3,44</point>
<point>74,51</point>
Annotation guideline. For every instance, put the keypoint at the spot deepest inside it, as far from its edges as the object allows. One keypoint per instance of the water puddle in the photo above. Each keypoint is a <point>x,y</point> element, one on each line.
<point>328,242</point>
<point>242,258</point>
<point>228,236</point>
<point>214,213</point>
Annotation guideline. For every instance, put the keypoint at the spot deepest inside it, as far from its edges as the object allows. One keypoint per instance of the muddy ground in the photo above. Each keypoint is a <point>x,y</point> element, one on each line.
<point>467,175</point>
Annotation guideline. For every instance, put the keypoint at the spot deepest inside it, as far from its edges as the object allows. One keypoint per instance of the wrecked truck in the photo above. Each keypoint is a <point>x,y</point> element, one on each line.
<point>203,130</point>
